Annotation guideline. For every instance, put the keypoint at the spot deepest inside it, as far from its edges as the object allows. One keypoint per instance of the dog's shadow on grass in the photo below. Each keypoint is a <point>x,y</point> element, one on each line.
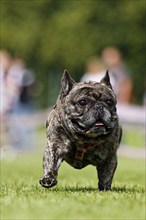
<point>93,189</point>
<point>132,189</point>
<point>74,189</point>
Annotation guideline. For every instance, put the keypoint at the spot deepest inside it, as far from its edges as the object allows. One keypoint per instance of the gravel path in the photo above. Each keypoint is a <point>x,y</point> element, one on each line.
<point>132,152</point>
<point>7,153</point>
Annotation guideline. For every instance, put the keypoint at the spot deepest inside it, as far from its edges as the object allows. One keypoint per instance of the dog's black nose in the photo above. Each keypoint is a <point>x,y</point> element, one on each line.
<point>99,109</point>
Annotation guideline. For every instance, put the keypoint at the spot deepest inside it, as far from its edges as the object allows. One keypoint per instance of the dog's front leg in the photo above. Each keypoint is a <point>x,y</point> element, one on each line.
<point>106,172</point>
<point>51,162</point>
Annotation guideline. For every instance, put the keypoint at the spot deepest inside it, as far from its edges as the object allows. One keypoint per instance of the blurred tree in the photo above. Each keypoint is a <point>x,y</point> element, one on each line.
<point>53,35</point>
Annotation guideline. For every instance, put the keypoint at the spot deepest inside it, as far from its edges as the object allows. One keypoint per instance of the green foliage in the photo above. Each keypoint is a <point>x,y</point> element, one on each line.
<point>53,35</point>
<point>76,195</point>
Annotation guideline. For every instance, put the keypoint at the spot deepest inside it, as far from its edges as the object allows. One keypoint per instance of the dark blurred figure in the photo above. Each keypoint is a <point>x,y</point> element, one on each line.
<point>113,61</point>
<point>19,79</point>
<point>16,80</point>
<point>95,71</point>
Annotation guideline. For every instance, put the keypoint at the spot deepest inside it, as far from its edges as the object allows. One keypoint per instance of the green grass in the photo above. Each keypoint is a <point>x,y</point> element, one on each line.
<point>134,137</point>
<point>76,195</point>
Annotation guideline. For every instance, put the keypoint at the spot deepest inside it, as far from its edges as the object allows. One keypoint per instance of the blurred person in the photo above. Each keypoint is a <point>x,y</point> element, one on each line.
<point>5,103</point>
<point>5,63</point>
<point>95,71</point>
<point>113,61</point>
<point>17,79</point>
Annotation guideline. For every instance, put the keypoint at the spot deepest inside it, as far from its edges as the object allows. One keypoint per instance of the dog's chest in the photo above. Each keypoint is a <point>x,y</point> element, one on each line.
<point>80,156</point>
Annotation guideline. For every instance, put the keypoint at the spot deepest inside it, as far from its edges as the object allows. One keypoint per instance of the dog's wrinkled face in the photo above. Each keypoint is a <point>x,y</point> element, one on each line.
<point>89,108</point>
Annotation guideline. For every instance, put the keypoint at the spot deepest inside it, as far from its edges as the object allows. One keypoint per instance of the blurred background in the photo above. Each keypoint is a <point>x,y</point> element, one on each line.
<point>39,39</point>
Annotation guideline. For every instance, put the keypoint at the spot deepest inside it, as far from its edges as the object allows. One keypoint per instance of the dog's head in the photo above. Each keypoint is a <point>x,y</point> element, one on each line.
<point>88,108</point>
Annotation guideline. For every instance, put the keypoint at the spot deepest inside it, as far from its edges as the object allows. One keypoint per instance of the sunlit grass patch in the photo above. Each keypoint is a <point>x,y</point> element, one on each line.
<point>76,195</point>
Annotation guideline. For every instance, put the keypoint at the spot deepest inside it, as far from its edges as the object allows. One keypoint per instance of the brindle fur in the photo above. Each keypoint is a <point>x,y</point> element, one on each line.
<point>70,127</point>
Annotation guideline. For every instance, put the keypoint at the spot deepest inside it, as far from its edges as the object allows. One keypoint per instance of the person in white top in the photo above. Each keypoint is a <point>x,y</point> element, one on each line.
<point>95,71</point>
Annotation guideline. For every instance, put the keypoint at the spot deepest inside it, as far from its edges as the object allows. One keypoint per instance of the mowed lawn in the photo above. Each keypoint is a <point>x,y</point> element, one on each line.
<point>76,195</point>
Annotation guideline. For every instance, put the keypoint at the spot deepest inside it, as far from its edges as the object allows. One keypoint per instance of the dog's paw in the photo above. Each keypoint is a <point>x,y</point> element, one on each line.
<point>48,181</point>
<point>104,188</point>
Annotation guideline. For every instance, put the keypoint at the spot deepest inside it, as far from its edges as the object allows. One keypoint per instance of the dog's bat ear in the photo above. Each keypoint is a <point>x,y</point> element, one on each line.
<point>106,80</point>
<point>67,84</point>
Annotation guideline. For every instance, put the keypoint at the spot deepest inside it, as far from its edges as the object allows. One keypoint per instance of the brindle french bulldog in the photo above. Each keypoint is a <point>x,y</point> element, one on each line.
<point>82,129</point>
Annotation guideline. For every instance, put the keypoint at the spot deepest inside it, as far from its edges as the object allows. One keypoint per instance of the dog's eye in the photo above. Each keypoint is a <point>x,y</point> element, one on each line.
<point>83,102</point>
<point>109,102</point>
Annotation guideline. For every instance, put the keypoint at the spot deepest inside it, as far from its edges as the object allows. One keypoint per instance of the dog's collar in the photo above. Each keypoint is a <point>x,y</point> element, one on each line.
<point>80,151</point>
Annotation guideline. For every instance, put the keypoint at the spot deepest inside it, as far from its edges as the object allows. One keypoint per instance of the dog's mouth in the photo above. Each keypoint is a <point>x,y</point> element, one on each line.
<point>98,125</point>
